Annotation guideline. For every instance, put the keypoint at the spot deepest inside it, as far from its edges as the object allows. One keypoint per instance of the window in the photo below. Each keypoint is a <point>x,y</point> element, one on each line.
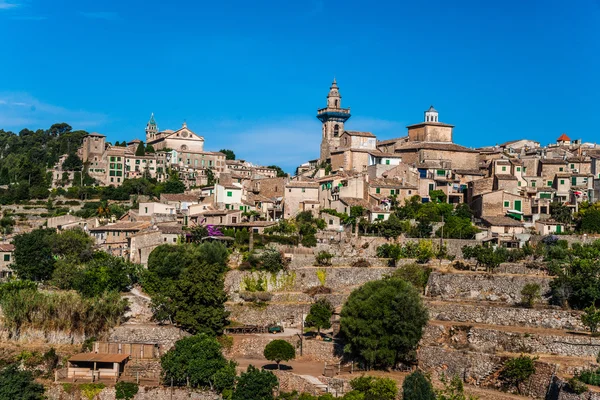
<point>572,166</point>
<point>379,216</point>
<point>503,169</point>
<point>506,204</point>
<point>229,194</point>
<point>303,190</point>
<point>377,190</point>
<point>561,169</point>
<point>519,183</point>
<point>387,162</point>
<point>137,161</point>
<point>549,183</point>
<point>146,210</point>
<point>562,181</point>
<point>392,191</point>
<point>336,131</point>
<point>518,169</point>
<point>440,172</point>
<point>532,183</point>
<point>330,222</point>
<point>7,257</point>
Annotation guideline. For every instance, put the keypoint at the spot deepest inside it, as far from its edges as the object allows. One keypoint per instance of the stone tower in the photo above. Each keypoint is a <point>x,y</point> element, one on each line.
<point>333,117</point>
<point>151,129</point>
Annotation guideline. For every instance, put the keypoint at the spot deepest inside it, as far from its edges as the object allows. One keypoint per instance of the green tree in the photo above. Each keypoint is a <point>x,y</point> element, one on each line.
<point>174,185</point>
<point>518,370</point>
<point>374,388</point>
<point>126,390</point>
<point>591,319</point>
<point>149,149</point>
<point>320,315</point>
<point>105,273</point>
<point>561,213</point>
<point>33,255</point>
<point>530,294</point>
<point>417,386</point>
<point>278,351</point>
<point>255,384</point>
<point>280,173</point>
<point>19,385</point>
<point>199,361</point>
<point>383,322</point>
<point>453,390</point>
<point>73,244</point>
<point>437,196</point>
<point>413,273</point>
<point>72,162</point>
<point>141,150</point>
<point>229,154</point>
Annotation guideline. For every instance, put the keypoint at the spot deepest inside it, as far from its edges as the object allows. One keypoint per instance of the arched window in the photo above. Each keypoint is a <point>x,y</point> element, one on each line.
<point>337,103</point>
<point>336,131</point>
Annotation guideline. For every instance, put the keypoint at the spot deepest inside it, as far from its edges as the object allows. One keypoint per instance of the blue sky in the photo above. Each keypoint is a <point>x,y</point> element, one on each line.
<point>249,75</point>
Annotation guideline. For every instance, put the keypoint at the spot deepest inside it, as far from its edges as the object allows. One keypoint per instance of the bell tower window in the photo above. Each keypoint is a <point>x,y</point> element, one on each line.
<point>336,130</point>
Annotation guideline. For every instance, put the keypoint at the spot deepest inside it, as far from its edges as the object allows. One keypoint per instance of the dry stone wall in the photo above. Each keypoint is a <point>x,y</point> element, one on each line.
<point>252,346</point>
<point>57,392</point>
<point>549,318</point>
<point>487,340</point>
<point>482,286</point>
<point>164,335</point>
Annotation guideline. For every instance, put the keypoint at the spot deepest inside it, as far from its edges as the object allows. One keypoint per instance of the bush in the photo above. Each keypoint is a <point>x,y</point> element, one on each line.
<point>374,388</point>
<point>323,258</point>
<point>19,385</point>
<point>361,263</point>
<point>320,315</point>
<point>278,351</point>
<point>413,273</point>
<point>126,390</point>
<point>517,370</point>
<point>256,296</point>
<point>453,390</point>
<point>255,384</point>
<point>417,386</point>
<point>589,376</point>
<point>530,294</point>
<point>576,386</point>
<point>591,319</point>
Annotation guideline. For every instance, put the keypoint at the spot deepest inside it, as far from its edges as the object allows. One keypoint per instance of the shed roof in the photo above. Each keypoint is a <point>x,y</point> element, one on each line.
<point>99,357</point>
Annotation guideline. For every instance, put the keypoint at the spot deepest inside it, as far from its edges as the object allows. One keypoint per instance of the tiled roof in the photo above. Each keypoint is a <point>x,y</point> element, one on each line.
<point>501,221</point>
<point>563,138</point>
<point>469,172</point>
<point>555,161</point>
<point>7,247</point>
<point>391,141</point>
<point>357,133</point>
<point>302,184</point>
<point>506,177</point>
<point>354,201</point>
<point>178,197</point>
<point>121,226</point>
<point>434,146</point>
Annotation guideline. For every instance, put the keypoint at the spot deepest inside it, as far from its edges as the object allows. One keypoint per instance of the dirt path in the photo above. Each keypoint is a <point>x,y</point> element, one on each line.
<point>299,367</point>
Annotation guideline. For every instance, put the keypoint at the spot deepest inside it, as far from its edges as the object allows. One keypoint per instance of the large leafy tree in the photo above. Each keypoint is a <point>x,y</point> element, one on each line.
<point>374,388</point>
<point>383,322</point>
<point>186,283</point>
<point>19,385</point>
<point>141,150</point>
<point>278,351</point>
<point>199,361</point>
<point>255,384</point>
<point>72,162</point>
<point>320,315</point>
<point>33,254</point>
<point>280,172</point>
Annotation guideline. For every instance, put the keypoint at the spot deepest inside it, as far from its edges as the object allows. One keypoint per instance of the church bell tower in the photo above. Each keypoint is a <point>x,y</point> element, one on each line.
<point>151,129</point>
<point>333,117</point>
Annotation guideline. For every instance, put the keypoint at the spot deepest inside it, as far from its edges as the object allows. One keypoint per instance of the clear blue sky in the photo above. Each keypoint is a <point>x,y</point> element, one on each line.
<point>249,75</point>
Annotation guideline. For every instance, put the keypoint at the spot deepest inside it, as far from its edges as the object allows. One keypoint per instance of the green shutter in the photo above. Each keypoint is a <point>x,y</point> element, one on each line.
<point>507,204</point>
<point>377,190</point>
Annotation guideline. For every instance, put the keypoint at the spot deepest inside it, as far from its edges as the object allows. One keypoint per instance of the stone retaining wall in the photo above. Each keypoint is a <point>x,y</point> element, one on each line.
<point>487,340</point>
<point>252,346</point>
<point>505,315</point>
<point>519,268</point>
<point>57,392</point>
<point>483,286</point>
<point>164,335</point>
<point>290,315</point>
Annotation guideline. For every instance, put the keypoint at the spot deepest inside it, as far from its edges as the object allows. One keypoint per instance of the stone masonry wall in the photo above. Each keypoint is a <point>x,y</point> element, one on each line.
<point>482,286</point>
<point>548,318</point>
<point>491,341</point>
<point>57,392</point>
<point>252,346</point>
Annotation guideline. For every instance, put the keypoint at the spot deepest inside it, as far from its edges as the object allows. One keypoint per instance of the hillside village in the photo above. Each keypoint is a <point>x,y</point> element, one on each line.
<point>157,242</point>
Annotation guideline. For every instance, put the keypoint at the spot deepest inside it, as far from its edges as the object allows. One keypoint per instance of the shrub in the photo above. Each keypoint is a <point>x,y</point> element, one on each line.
<point>126,390</point>
<point>278,351</point>
<point>374,388</point>
<point>91,390</point>
<point>255,384</point>
<point>591,319</point>
<point>19,385</point>
<point>517,370</point>
<point>361,263</point>
<point>320,315</point>
<point>309,240</point>
<point>417,386</point>
<point>256,296</point>
<point>453,390</point>
<point>323,258</point>
<point>322,276</point>
<point>530,294</point>
<point>576,386</point>
<point>413,273</point>
<point>589,376</point>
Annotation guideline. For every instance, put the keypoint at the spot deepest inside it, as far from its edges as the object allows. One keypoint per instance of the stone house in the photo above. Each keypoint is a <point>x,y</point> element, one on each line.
<point>549,227</point>
<point>228,196</point>
<point>503,226</point>
<point>500,203</point>
<point>181,201</point>
<point>149,209</point>
<point>296,193</point>
<point>6,259</point>
<point>114,238</point>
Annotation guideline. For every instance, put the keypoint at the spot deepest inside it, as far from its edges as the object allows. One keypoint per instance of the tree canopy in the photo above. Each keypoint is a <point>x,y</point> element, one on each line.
<point>278,351</point>
<point>417,386</point>
<point>255,384</point>
<point>19,385</point>
<point>229,154</point>
<point>383,322</point>
<point>320,315</point>
<point>141,150</point>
